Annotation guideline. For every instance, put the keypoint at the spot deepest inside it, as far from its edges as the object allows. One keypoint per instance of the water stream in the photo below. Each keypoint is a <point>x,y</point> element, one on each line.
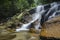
<point>37,16</point>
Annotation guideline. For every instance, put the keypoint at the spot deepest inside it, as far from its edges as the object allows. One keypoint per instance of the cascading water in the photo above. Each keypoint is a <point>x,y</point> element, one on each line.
<point>35,16</point>
<point>53,9</point>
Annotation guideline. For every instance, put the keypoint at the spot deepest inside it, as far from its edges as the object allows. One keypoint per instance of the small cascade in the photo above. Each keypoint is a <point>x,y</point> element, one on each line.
<point>37,16</point>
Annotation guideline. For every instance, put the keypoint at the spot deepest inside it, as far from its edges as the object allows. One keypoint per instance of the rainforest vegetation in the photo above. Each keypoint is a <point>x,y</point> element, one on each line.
<point>8,8</point>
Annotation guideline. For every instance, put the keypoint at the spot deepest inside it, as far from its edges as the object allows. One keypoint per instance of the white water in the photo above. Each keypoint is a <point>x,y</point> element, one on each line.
<point>37,16</point>
<point>53,7</point>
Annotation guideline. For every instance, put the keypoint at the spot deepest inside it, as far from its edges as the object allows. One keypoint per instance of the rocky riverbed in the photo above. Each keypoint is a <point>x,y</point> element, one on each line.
<point>23,35</point>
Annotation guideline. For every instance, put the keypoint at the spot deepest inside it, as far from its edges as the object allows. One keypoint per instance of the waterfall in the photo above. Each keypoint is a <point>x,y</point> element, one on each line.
<point>37,16</point>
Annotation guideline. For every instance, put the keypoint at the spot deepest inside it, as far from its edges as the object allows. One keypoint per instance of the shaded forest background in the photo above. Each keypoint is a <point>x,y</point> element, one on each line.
<point>9,8</point>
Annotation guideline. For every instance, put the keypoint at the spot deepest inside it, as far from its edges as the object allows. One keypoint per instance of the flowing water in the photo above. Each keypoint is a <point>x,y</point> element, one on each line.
<point>38,15</point>
<point>35,16</point>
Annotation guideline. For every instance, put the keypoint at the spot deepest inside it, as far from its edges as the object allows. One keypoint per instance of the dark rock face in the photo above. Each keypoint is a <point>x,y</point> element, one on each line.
<point>57,13</point>
<point>46,7</point>
<point>32,11</point>
<point>50,38</point>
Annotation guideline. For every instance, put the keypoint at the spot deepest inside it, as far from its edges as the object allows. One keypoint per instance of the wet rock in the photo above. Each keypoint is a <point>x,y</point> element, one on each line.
<point>51,29</point>
<point>7,36</point>
<point>23,35</point>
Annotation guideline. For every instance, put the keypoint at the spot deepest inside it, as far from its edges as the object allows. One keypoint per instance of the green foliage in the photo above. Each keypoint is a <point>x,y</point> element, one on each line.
<point>24,4</point>
<point>9,8</point>
<point>43,1</point>
<point>46,1</point>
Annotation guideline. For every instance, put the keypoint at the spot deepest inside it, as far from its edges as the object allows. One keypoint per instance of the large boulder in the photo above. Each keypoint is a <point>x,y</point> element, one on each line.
<point>7,36</point>
<point>51,29</point>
